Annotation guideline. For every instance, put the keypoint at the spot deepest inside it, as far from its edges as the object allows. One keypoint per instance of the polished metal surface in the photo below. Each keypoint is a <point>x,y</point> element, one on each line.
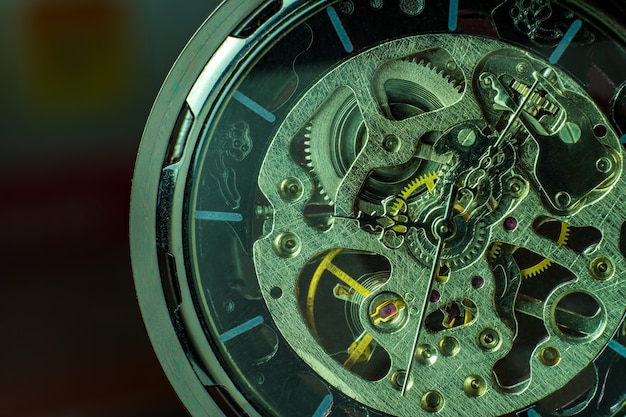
<point>488,122</point>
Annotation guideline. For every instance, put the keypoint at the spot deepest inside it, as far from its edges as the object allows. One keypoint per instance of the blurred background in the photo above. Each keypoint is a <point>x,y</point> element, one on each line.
<point>77,81</point>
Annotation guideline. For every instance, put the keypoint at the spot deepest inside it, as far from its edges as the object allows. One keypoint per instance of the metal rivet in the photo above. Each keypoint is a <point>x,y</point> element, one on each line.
<point>563,199</point>
<point>602,268</point>
<point>550,356</point>
<point>516,187</point>
<point>391,143</point>
<point>474,385</point>
<point>397,380</point>
<point>521,68</point>
<point>432,401</point>
<point>449,346</point>
<point>291,189</point>
<point>287,245</point>
<point>604,165</point>
<point>489,339</point>
<point>426,354</point>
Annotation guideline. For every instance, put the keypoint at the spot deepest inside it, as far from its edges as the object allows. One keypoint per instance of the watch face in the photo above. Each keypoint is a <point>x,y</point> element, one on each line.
<point>390,208</point>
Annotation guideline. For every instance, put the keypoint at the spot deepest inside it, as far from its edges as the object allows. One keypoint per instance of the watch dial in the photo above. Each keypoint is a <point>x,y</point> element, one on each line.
<point>401,208</point>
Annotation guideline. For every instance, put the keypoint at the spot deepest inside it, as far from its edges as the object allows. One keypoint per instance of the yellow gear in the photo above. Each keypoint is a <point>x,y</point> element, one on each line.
<point>537,269</point>
<point>564,234</point>
<point>540,267</point>
<point>494,251</point>
<point>427,179</point>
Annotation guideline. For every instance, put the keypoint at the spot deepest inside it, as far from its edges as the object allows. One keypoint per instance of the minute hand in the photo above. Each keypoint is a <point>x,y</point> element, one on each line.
<point>442,229</point>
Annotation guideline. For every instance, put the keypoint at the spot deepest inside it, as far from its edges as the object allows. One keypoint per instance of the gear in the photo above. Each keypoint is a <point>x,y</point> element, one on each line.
<point>539,267</point>
<point>564,234</point>
<point>427,180</point>
<point>536,269</point>
<point>540,102</point>
<point>407,88</point>
<point>336,133</point>
<point>493,251</point>
<point>334,137</point>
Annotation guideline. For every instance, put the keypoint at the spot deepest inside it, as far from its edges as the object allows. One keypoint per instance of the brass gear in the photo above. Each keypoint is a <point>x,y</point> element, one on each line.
<point>412,187</point>
<point>541,266</point>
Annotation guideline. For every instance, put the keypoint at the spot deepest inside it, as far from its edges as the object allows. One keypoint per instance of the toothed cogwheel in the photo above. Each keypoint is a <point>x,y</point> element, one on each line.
<point>407,88</point>
<point>337,131</point>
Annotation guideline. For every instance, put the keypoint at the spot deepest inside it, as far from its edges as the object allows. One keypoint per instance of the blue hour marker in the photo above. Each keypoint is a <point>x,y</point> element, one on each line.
<point>322,409</point>
<point>241,329</point>
<point>533,413</point>
<point>613,344</point>
<point>254,106</point>
<point>565,41</point>
<point>219,216</point>
<point>341,31</point>
<point>453,15</point>
<point>623,139</point>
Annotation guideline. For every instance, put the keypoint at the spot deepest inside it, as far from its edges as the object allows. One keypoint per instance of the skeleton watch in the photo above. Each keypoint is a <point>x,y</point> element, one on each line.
<point>369,208</point>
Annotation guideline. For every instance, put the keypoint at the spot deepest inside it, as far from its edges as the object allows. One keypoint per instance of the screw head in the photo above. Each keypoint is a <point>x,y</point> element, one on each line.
<point>466,137</point>
<point>287,245</point>
<point>570,133</point>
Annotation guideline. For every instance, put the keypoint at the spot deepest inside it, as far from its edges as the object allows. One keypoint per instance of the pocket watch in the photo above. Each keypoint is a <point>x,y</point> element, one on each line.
<point>369,208</point>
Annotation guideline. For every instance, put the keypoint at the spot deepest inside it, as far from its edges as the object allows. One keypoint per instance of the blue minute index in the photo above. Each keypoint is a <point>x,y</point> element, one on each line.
<point>453,15</point>
<point>254,106</point>
<point>623,138</point>
<point>620,349</point>
<point>323,408</point>
<point>241,329</point>
<point>218,216</point>
<point>341,31</point>
<point>566,40</point>
<point>533,413</point>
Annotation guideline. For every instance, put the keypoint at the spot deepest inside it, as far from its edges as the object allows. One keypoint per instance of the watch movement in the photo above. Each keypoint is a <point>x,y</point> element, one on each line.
<point>369,208</point>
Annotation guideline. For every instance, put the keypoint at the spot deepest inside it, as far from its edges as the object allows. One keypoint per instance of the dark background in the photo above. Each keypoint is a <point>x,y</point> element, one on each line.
<point>77,81</point>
